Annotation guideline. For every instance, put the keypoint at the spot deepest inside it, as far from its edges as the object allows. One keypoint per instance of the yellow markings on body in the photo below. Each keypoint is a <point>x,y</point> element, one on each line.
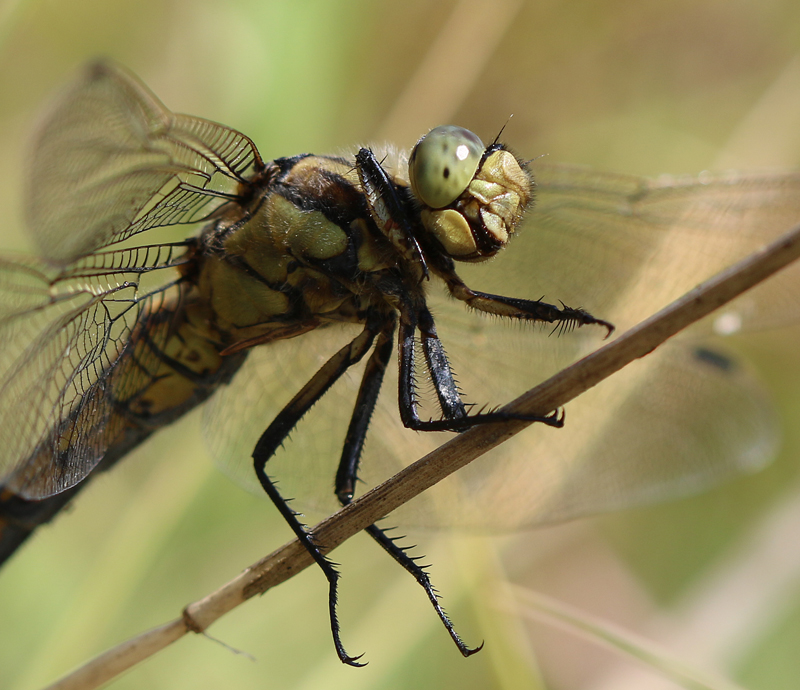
<point>452,231</point>
<point>308,234</point>
<point>503,189</point>
<point>193,351</point>
<point>238,299</point>
<point>256,244</point>
<point>154,380</point>
<point>320,294</point>
<point>373,255</point>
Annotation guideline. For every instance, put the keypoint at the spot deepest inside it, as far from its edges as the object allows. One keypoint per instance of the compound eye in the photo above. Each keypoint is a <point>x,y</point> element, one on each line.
<point>443,164</point>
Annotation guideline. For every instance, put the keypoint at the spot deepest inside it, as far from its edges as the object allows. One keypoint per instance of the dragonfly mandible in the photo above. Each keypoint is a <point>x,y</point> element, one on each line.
<point>120,327</point>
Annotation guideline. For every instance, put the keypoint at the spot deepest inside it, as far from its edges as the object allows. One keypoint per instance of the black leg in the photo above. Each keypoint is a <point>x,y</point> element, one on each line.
<point>346,475</point>
<point>454,415</point>
<point>388,210</point>
<point>421,576</point>
<point>371,382</point>
<point>522,309</point>
<point>275,434</point>
<point>439,367</point>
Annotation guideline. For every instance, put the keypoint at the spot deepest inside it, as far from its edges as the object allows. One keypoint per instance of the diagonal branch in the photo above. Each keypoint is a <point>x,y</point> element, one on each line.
<point>291,558</point>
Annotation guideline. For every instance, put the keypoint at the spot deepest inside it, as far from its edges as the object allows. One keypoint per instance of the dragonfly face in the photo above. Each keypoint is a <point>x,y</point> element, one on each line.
<point>119,328</point>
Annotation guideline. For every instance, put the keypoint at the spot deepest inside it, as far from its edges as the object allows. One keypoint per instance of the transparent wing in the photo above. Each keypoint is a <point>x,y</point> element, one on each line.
<point>677,421</point>
<point>63,338</point>
<point>238,413</point>
<point>623,246</point>
<point>110,161</point>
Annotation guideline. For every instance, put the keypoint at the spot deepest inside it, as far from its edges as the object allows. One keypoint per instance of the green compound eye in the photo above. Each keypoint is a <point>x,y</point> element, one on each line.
<point>443,163</point>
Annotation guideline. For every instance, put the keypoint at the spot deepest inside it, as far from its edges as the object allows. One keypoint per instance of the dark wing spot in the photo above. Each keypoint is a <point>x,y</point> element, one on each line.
<point>715,359</point>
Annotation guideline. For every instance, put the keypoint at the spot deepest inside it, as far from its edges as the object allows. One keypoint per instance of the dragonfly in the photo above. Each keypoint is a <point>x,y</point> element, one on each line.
<point>283,310</point>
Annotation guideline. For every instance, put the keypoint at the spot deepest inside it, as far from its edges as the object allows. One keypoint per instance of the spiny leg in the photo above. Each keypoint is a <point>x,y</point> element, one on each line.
<point>389,210</point>
<point>439,367</point>
<point>371,382</point>
<point>454,415</point>
<point>521,309</point>
<point>275,434</point>
<point>346,475</point>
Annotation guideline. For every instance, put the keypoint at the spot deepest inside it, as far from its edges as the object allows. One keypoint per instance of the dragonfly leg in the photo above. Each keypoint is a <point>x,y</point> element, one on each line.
<point>389,210</point>
<point>522,309</point>
<point>454,412</point>
<point>277,432</point>
<point>420,574</point>
<point>346,476</point>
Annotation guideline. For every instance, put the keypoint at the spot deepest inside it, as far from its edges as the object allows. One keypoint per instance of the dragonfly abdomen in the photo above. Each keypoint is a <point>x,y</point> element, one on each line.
<point>171,364</point>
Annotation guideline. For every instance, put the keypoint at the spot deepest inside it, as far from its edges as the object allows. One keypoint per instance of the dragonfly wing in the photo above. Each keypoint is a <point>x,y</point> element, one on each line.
<point>678,421</point>
<point>110,161</point>
<point>239,412</point>
<point>62,336</point>
<point>622,246</point>
<point>681,420</point>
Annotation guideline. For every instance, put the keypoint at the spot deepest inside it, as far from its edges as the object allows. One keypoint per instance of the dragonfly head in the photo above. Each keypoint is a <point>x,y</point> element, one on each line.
<point>472,197</point>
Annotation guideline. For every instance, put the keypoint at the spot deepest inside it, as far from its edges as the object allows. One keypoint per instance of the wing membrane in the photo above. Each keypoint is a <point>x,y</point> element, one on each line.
<point>239,412</point>
<point>111,161</point>
<point>681,420</point>
<point>62,338</point>
<point>620,246</point>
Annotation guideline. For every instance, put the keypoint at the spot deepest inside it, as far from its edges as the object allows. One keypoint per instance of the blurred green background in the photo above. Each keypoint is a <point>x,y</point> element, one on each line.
<point>644,87</point>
